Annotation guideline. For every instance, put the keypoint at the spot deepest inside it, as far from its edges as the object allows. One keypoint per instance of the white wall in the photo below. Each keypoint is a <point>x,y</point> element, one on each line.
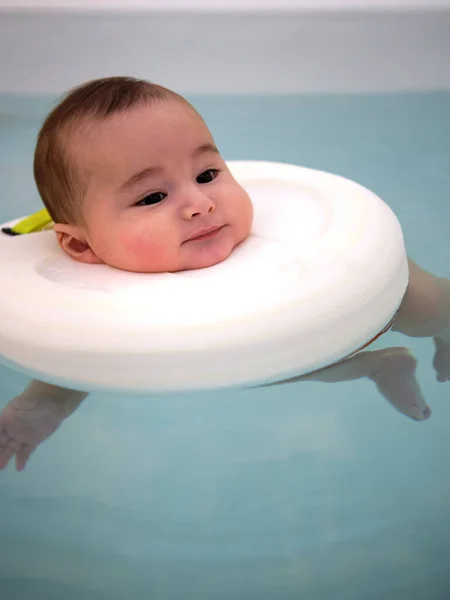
<point>127,5</point>
<point>230,51</point>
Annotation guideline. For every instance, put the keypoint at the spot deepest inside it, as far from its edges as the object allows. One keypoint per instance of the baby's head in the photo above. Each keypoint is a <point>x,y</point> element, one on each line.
<point>130,174</point>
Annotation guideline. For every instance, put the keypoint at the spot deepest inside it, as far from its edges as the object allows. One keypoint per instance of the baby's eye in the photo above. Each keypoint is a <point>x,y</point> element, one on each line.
<point>152,199</point>
<point>207,176</point>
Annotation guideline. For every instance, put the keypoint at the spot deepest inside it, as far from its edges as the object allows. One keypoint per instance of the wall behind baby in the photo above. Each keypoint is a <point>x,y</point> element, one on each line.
<point>227,46</point>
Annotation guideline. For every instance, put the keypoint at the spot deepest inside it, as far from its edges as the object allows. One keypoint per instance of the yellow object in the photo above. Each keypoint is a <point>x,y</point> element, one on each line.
<point>36,222</point>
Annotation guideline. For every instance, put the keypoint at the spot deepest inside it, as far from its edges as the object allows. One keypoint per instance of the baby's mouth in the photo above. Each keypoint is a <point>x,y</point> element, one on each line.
<point>205,233</point>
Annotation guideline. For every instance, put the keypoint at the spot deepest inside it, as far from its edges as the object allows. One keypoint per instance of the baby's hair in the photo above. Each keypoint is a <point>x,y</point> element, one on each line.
<point>59,183</point>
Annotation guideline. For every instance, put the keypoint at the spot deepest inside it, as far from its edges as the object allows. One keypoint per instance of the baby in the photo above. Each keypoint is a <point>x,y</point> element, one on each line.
<point>132,178</point>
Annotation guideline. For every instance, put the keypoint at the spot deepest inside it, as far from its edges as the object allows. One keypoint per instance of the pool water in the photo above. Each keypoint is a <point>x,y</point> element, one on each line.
<point>309,490</point>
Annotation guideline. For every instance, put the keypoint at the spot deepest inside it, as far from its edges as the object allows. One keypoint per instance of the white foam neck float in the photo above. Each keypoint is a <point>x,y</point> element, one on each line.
<point>323,272</point>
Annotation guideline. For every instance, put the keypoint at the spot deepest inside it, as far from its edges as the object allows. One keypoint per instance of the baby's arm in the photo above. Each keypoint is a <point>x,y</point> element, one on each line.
<point>32,417</point>
<point>391,369</point>
<point>425,312</point>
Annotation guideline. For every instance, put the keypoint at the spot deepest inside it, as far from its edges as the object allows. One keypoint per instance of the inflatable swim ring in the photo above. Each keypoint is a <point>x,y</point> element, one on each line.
<point>323,272</point>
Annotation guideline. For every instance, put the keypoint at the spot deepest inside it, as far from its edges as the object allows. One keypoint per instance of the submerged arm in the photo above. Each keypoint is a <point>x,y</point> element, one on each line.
<point>31,417</point>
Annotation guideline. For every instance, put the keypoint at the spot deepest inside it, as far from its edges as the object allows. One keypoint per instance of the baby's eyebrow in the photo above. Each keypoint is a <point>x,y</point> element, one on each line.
<point>139,176</point>
<point>204,148</point>
<point>149,171</point>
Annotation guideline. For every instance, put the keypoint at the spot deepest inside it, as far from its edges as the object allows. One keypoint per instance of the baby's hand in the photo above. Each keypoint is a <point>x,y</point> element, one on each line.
<point>26,422</point>
<point>32,417</point>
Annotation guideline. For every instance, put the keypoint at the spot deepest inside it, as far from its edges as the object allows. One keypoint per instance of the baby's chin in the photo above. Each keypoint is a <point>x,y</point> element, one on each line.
<point>169,267</point>
<point>205,262</point>
<point>212,256</point>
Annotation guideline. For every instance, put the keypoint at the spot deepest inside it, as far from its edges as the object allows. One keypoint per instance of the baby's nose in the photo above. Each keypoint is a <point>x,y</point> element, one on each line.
<point>198,204</point>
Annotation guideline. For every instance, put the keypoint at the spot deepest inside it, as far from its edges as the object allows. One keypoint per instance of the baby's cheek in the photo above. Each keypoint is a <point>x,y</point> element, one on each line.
<point>245,215</point>
<point>144,248</point>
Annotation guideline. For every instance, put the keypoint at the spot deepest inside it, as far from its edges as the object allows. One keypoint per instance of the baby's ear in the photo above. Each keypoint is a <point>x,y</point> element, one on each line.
<point>73,241</point>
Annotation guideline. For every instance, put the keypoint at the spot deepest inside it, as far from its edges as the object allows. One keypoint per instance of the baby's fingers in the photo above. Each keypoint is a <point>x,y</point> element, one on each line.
<point>22,456</point>
<point>7,451</point>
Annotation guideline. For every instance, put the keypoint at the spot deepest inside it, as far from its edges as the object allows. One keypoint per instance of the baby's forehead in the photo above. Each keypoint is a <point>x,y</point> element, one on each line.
<point>135,119</point>
<point>94,144</point>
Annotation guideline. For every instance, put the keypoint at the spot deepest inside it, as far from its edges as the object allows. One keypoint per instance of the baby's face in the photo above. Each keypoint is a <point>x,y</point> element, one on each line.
<point>159,196</point>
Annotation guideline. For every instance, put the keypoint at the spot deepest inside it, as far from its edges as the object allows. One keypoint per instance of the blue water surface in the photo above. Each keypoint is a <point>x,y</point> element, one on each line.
<point>309,490</point>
